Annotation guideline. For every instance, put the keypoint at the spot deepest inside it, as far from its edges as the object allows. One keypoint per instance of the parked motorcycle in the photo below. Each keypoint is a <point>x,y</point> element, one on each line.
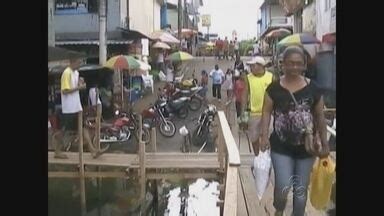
<point>155,116</point>
<point>194,93</point>
<point>204,132</point>
<point>177,106</point>
<point>116,132</point>
<point>133,125</point>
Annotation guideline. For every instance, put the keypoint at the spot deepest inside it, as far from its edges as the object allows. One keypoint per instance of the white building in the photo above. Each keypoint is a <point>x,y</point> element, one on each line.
<point>325,18</point>
<point>144,15</point>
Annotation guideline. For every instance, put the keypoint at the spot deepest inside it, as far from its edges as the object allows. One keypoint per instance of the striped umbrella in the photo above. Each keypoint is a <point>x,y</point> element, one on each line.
<point>125,62</point>
<point>299,39</point>
<point>278,33</point>
<point>179,56</point>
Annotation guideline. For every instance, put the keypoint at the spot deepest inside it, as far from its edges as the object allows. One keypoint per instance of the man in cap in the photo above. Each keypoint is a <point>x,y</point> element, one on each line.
<point>257,82</point>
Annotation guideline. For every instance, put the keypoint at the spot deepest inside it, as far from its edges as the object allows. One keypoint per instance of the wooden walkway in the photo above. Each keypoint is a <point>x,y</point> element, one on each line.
<point>156,160</point>
<point>248,204</point>
<point>234,159</point>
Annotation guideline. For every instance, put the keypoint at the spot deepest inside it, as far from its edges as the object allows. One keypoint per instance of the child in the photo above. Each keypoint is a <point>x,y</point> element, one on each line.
<point>228,84</point>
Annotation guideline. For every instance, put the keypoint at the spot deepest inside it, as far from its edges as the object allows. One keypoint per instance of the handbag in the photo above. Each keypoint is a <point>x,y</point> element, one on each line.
<point>310,139</point>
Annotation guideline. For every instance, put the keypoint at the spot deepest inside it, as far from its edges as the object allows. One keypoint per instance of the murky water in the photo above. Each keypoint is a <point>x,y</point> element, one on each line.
<point>109,196</point>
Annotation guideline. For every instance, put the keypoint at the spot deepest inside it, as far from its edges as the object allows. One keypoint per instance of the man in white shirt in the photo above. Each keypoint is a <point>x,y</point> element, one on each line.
<point>217,76</point>
<point>184,45</point>
<point>70,100</point>
<point>160,61</point>
<point>256,49</point>
<point>237,47</point>
<point>71,105</point>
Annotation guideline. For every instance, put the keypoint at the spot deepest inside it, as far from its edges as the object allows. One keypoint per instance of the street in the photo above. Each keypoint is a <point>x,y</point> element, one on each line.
<point>198,64</point>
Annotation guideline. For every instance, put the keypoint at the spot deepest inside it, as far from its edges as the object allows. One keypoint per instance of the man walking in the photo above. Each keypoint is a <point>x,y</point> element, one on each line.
<point>256,84</point>
<point>217,76</point>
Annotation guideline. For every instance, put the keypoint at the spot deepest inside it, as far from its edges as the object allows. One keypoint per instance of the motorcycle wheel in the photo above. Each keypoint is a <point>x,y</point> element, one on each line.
<point>168,130</point>
<point>194,104</point>
<point>183,112</point>
<point>146,135</point>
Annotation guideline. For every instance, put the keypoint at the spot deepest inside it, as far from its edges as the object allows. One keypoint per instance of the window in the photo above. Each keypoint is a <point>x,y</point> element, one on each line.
<point>76,6</point>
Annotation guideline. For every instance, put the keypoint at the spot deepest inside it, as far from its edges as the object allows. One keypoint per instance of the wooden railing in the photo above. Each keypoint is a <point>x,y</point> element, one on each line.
<point>229,159</point>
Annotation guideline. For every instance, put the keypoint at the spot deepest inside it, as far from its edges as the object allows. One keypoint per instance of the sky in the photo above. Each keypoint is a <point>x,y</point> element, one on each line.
<point>229,15</point>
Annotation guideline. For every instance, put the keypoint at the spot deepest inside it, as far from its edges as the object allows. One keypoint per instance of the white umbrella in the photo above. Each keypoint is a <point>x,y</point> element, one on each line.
<point>161,45</point>
<point>144,66</point>
<point>164,37</point>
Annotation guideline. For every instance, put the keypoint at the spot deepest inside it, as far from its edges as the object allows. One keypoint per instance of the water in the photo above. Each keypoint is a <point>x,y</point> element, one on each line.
<point>118,197</point>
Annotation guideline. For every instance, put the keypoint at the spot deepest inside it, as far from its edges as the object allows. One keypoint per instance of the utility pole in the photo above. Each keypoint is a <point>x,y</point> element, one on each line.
<point>103,32</point>
<point>179,13</point>
<point>51,26</point>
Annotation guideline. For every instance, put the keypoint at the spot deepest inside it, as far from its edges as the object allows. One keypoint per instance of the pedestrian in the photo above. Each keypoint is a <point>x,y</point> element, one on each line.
<point>256,83</point>
<point>231,50</point>
<point>228,84</point>
<point>239,91</point>
<point>169,72</point>
<point>94,98</point>
<point>297,104</point>
<point>71,84</point>
<point>256,50</point>
<point>239,66</point>
<point>70,101</point>
<point>184,45</point>
<point>237,47</point>
<point>160,61</point>
<point>204,83</point>
<point>226,48</point>
<point>217,76</point>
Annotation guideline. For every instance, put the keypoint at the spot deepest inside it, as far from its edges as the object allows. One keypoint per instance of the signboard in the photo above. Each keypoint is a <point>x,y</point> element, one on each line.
<point>206,20</point>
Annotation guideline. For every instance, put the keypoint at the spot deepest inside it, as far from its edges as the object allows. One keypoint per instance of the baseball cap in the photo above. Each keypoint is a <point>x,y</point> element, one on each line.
<point>257,60</point>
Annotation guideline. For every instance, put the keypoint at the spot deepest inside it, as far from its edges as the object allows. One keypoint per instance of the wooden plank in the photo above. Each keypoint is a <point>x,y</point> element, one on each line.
<point>231,146</point>
<point>230,202</point>
<point>89,174</point>
<point>247,160</point>
<point>250,194</point>
<point>241,206</point>
<point>220,148</point>
<point>181,175</point>
<point>157,160</point>
<point>120,174</point>
<point>81,163</point>
<point>141,160</point>
<point>107,159</point>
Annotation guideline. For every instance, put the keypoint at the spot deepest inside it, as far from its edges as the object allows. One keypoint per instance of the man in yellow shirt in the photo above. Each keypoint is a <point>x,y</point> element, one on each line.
<point>257,82</point>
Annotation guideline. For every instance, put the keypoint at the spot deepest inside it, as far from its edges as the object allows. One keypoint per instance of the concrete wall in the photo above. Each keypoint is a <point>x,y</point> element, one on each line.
<point>277,11</point>
<point>156,16</point>
<point>323,18</point>
<point>309,18</point>
<point>172,18</point>
<point>144,15</point>
<point>89,22</point>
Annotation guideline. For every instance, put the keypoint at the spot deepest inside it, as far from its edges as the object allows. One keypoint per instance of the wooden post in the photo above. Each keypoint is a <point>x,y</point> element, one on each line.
<point>220,143</point>
<point>98,120</point>
<point>81,163</point>
<point>141,161</point>
<point>153,139</point>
